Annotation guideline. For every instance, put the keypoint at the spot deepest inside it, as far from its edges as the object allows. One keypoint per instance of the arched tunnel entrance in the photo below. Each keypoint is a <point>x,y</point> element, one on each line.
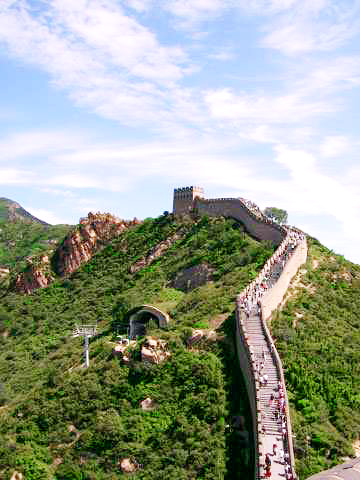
<point>140,317</point>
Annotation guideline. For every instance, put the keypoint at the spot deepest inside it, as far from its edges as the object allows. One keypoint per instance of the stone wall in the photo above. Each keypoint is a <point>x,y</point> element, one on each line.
<point>184,198</point>
<point>273,297</point>
<point>259,228</point>
<point>247,364</point>
<point>269,302</point>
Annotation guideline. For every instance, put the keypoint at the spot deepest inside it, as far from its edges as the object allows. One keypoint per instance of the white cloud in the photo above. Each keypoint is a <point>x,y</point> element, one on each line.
<point>139,5</point>
<point>292,107</point>
<point>192,11</point>
<point>81,180</point>
<point>45,215</point>
<point>26,144</point>
<point>105,59</point>
<point>15,176</point>
<point>335,145</point>
<point>312,26</point>
<point>324,77</point>
<point>314,192</point>
<point>222,55</point>
<point>58,192</point>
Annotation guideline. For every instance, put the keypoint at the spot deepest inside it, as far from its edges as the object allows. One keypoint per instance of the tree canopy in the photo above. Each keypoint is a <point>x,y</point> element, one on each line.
<point>276,214</point>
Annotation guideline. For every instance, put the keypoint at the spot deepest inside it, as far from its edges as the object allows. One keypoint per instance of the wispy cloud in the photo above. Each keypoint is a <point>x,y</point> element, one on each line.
<point>292,107</point>
<point>312,26</point>
<point>45,215</point>
<point>105,59</point>
<point>15,176</point>
<point>26,144</point>
<point>336,145</point>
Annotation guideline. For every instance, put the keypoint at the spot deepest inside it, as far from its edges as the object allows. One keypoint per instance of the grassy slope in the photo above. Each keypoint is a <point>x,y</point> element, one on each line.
<point>184,437</point>
<point>320,348</point>
<point>19,240</point>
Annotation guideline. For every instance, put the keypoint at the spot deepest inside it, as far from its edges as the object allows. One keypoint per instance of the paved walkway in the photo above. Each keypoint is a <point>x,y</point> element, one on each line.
<point>272,433</point>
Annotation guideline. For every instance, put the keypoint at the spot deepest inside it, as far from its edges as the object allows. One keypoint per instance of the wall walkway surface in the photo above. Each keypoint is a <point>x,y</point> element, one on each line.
<point>274,296</point>
<point>256,347</point>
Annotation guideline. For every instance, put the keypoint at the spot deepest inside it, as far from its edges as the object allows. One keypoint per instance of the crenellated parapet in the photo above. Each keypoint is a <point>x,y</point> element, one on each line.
<point>184,198</point>
<point>259,226</point>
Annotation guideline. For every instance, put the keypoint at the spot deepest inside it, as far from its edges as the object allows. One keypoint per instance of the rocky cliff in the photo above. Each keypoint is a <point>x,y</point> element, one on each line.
<point>92,233</point>
<point>36,275</point>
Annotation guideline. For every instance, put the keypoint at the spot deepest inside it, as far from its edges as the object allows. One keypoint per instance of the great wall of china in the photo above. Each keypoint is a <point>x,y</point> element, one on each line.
<point>254,307</point>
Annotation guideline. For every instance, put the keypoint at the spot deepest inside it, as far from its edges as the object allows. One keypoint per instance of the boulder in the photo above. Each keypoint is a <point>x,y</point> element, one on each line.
<point>17,476</point>
<point>148,355</point>
<point>196,336</point>
<point>127,466</point>
<point>152,343</point>
<point>147,404</point>
<point>154,351</point>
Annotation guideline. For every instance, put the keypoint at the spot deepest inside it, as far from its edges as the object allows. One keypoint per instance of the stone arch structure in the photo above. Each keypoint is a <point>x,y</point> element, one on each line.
<point>139,317</point>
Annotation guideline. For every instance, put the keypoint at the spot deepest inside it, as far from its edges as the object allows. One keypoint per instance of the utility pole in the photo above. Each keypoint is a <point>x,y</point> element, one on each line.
<point>85,331</point>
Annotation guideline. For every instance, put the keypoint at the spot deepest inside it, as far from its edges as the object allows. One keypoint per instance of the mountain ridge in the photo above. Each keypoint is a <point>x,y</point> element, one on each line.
<point>11,210</point>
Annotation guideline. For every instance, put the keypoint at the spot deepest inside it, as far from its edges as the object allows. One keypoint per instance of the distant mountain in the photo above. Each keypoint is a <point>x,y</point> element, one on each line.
<point>10,210</point>
<point>23,235</point>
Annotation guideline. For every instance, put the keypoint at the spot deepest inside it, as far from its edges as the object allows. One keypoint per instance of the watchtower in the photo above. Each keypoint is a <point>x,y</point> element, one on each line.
<point>184,199</point>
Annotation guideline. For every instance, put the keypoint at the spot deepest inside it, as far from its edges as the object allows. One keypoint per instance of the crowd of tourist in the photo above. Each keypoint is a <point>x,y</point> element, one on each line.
<point>251,296</point>
<point>253,208</point>
<point>279,455</point>
<point>250,302</point>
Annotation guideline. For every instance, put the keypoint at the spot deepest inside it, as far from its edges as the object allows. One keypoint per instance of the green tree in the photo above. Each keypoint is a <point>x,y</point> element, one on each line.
<point>276,214</point>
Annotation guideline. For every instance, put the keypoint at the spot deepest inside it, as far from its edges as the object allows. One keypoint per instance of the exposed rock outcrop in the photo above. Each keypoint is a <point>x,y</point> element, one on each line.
<point>123,349</point>
<point>17,476</point>
<point>36,275</point>
<point>155,253</point>
<point>147,404</point>
<point>154,351</point>
<point>4,272</point>
<point>198,335</point>
<point>127,466</point>
<point>93,232</point>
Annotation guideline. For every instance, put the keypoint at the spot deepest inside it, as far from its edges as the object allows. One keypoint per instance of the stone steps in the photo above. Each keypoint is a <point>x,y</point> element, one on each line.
<point>257,340</point>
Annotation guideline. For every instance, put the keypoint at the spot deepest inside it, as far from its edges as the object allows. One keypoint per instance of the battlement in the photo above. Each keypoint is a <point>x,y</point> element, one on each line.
<point>184,198</point>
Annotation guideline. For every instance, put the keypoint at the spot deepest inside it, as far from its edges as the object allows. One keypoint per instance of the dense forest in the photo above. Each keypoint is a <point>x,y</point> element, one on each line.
<point>61,421</point>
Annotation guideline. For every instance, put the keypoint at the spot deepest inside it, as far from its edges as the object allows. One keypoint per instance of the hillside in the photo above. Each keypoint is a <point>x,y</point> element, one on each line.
<point>10,210</point>
<point>49,401</point>
<point>23,235</point>
<point>318,336</point>
<point>61,421</point>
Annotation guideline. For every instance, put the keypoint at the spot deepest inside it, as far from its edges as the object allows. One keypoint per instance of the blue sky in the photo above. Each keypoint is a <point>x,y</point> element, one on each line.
<point>108,105</point>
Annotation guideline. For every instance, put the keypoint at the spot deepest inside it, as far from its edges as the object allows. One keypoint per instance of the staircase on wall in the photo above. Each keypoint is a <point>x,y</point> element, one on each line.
<point>254,309</point>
